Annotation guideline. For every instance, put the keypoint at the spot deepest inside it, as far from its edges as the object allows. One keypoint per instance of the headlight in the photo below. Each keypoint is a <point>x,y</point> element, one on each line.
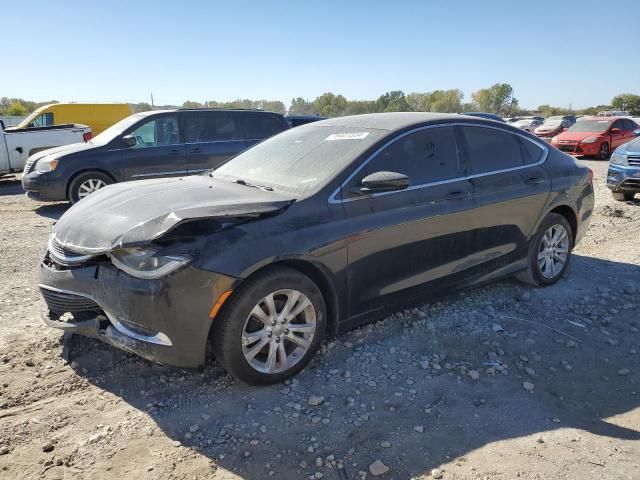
<point>589,140</point>
<point>554,139</point>
<point>145,262</point>
<point>46,164</point>
<point>618,159</point>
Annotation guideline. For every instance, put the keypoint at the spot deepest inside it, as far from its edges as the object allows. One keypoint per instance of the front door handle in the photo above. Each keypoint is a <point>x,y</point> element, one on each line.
<point>174,151</point>
<point>457,195</point>
<point>195,150</point>
<point>534,181</point>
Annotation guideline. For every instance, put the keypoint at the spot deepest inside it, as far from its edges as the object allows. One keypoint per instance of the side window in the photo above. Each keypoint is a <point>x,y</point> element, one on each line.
<point>426,156</point>
<point>43,120</point>
<point>209,127</point>
<point>489,149</point>
<point>629,125</point>
<point>618,124</point>
<point>261,126</point>
<point>158,132</point>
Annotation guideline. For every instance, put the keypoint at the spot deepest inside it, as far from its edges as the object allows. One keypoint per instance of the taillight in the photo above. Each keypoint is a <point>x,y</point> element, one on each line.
<point>87,136</point>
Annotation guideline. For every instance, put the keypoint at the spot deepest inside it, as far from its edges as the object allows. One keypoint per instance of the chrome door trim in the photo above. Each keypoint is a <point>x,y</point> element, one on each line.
<point>333,199</point>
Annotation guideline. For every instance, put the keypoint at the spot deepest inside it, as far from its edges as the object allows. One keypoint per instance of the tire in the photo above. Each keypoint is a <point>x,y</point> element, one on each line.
<point>603,152</point>
<point>80,185</point>
<point>622,197</point>
<point>238,333</point>
<point>535,273</point>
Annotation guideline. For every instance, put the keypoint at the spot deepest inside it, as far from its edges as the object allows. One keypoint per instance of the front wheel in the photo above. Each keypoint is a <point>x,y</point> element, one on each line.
<point>549,252</point>
<point>622,196</point>
<point>271,327</point>
<point>87,183</point>
<point>603,152</point>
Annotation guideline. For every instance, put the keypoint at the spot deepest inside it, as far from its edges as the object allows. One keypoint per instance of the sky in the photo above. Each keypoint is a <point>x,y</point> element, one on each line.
<point>568,52</point>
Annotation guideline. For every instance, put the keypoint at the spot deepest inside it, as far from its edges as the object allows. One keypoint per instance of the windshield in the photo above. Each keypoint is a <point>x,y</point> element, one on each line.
<point>117,129</point>
<point>590,126</point>
<point>553,121</point>
<point>27,121</point>
<point>300,160</point>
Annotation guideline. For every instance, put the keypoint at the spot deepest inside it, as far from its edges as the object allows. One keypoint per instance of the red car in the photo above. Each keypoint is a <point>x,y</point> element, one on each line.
<point>595,136</point>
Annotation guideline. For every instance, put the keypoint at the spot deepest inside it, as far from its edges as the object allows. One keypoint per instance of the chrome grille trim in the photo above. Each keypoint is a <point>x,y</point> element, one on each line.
<point>63,255</point>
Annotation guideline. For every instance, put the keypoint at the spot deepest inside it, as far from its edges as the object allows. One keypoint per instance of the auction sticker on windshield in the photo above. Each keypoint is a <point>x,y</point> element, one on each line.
<point>348,136</point>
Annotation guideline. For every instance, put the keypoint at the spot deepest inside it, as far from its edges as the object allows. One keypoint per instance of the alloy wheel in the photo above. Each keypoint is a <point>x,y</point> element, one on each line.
<point>553,252</point>
<point>278,331</point>
<point>604,151</point>
<point>89,186</point>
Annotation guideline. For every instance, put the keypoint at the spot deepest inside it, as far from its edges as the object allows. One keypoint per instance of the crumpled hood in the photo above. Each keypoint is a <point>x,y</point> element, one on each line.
<point>135,213</point>
<point>63,150</point>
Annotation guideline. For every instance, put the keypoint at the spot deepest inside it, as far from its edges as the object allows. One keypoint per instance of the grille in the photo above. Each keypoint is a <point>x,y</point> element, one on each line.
<point>634,161</point>
<point>63,302</point>
<point>28,165</point>
<point>567,147</point>
<point>63,255</point>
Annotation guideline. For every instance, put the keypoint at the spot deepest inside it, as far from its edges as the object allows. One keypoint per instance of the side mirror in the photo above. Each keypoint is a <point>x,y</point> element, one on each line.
<point>615,130</point>
<point>129,141</point>
<point>384,182</point>
<point>637,132</point>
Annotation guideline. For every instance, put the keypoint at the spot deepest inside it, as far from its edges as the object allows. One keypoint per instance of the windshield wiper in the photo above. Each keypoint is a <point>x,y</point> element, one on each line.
<point>240,181</point>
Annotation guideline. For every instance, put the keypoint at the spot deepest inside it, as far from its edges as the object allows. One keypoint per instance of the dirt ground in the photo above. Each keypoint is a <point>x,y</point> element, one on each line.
<point>501,382</point>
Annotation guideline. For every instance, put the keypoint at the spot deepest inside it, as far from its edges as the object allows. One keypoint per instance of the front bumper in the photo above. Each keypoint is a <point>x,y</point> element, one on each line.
<point>165,320</point>
<point>623,179</point>
<point>43,188</point>
<point>589,149</point>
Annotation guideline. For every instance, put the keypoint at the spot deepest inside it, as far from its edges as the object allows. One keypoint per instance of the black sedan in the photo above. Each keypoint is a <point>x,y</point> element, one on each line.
<point>312,232</point>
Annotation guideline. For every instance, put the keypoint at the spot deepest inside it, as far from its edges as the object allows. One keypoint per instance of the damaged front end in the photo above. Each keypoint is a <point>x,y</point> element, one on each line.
<point>123,271</point>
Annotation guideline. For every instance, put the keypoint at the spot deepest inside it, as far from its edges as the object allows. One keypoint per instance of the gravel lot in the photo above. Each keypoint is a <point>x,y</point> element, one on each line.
<point>499,382</point>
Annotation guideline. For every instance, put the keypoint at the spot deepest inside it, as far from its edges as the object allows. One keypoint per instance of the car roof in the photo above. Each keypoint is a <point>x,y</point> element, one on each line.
<point>250,110</point>
<point>394,120</point>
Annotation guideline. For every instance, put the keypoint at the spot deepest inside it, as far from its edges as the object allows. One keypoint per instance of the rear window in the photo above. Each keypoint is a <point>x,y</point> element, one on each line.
<point>489,149</point>
<point>590,126</point>
<point>257,127</point>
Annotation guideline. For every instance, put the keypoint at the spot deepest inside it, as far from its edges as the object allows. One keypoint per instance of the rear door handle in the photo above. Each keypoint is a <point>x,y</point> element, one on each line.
<point>534,181</point>
<point>457,195</point>
<point>174,152</point>
<point>195,150</point>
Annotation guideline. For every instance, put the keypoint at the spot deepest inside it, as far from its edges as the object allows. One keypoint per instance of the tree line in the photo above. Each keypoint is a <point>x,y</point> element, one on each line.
<point>498,99</point>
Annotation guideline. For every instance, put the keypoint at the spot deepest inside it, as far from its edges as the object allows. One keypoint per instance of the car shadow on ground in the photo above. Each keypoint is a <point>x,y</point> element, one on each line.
<point>375,389</point>
<point>10,186</point>
<point>52,210</point>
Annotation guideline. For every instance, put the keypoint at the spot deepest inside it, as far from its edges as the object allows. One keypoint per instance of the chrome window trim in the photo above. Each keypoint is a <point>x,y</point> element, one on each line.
<point>159,338</point>
<point>333,199</point>
<point>156,174</point>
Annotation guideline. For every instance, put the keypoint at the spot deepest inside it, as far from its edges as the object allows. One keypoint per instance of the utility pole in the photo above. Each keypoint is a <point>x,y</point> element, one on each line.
<point>152,101</point>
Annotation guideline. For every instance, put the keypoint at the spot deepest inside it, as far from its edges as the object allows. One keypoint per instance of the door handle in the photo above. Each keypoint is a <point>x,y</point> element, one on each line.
<point>457,195</point>
<point>195,150</point>
<point>534,181</point>
<point>174,152</point>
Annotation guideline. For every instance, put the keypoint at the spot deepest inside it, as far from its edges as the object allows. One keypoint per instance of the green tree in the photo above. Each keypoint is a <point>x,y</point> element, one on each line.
<point>358,107</point>
<point>394,101</point>
<point>330,105</point>
<point>141,107</point>
<point>299,106</point>
<point>496,99</point>
<point>17,109</point>
<point>628,102</point>
<point>190,104</point>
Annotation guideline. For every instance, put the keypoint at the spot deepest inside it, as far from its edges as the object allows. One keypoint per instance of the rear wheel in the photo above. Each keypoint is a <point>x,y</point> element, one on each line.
<point>549,252</point>
<point>87,183</point>
<point>622,196</point>
<point>271,327</point>
<point>603,152</point>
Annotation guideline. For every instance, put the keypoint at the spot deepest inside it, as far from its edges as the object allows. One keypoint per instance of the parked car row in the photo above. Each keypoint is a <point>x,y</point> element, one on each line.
<point>313,231</point>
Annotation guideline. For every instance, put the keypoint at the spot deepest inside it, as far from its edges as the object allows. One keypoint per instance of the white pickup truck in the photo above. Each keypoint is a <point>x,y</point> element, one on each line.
<point>17,144</point>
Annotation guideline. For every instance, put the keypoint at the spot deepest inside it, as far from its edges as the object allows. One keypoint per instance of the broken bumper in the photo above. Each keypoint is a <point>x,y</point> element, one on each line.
<point>164,320</point>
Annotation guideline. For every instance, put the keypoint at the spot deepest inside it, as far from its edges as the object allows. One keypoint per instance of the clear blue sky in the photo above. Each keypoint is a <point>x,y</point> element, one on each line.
<point>557,52</point>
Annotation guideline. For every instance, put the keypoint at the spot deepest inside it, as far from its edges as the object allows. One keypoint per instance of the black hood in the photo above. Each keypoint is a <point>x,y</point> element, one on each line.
<point>63,150</point>
<point>135,213</point>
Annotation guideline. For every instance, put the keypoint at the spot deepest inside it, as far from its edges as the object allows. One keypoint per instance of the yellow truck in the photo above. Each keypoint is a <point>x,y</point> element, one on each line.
<point>99,116</point>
